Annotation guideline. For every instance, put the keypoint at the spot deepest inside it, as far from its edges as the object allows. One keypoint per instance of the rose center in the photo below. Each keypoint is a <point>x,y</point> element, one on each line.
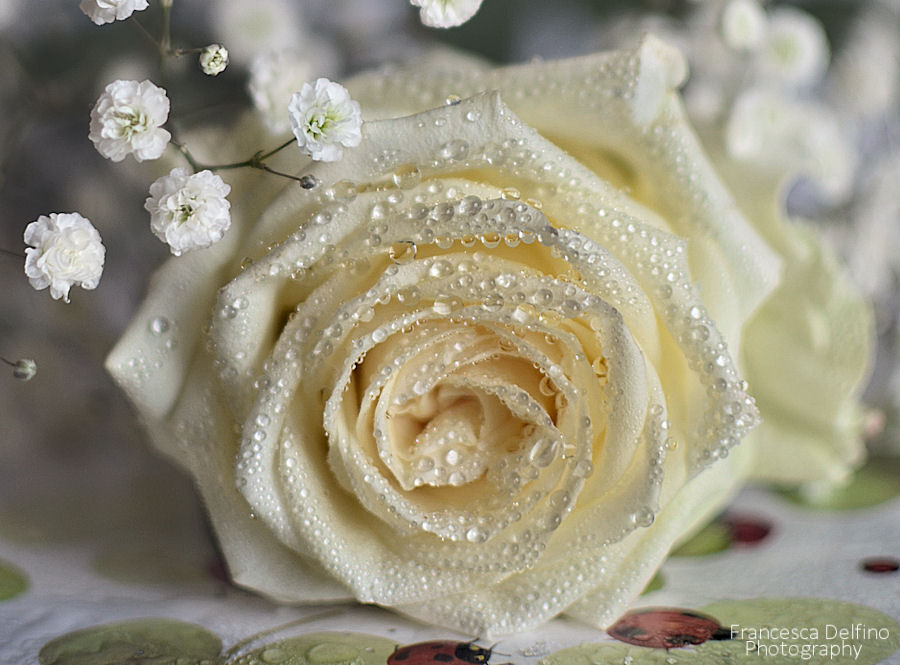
<point>450,435</point>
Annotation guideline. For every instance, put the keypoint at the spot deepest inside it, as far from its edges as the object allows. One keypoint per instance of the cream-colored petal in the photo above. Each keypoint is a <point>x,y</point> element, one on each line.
<point>593,101</point>
<point>807,357</point>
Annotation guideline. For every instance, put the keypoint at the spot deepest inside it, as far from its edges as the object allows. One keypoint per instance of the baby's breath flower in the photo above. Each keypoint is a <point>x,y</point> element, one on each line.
<point>795,49</point>
<point>323,118</point>
<point>24,369</point>
<point>107,11</point>
<point>214,59</point>
<point>65,250</point>
<point>446,13</point>
<point>743,24</point>
<point>128,119</point>
<point>189,211</point>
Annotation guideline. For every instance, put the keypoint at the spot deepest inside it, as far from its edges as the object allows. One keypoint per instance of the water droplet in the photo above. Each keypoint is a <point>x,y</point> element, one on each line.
<point>583,469</point>
<point>599,366</point>
<point>543,452</point>
<point>454,150</point>
<point>452,100</point>
<point>492,302</point>
<point>510,194</point>
<point>159,325</point>
<point>403,252</point>
<point>308,181</point>
<point>441,269</point>
<point>407,176</point>
<point>476,535</point>
<point>343,190</point>
<point>490,240</point>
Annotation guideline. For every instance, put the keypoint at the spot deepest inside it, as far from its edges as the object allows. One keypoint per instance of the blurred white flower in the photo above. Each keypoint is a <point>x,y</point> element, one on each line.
<point>789,137</point>
<point>872,243</point>
<point>251,27</point>
<point>742,24</point>
<point>446,13</point>
<point>323,118</point>
<point>274,77</point>
<point>795,50</point>
<point>189,211</point>
<point>214,59</point>
<point>107,11</point>
<point>128,119</point>
<point>24,369</point>
<point>65,251</point>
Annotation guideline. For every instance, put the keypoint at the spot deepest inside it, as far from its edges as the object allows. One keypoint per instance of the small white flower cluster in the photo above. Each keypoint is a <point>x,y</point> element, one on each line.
<point>446,13</point>
<point>107,11</point>
<point>324,118</point>
<point>128,119</point>
<point>65,251</point>
<point>189,211</point>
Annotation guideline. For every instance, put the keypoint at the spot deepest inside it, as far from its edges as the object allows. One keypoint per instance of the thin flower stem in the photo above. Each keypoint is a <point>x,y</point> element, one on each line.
<point>195,165</point>
<point>8,362</point>
<point>18,255</point>
<point>178,52</point>
<point>284,145</point>
<point>255,162</point>
<point>278,173</point>
<point>144,31</point>
<point>165,41</point>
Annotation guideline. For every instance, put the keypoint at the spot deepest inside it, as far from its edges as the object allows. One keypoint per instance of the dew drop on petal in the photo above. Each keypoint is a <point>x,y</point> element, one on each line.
<point>343,190</point>
<point>407,176</point>
<point>159,325</point>
<point>403,252</point>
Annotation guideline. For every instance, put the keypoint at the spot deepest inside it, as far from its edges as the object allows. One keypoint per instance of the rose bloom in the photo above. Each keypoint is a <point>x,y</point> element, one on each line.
<point>494,365</point>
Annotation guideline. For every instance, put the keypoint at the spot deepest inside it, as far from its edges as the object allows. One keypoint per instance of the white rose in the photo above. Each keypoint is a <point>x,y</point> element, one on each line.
<point>487,371</point>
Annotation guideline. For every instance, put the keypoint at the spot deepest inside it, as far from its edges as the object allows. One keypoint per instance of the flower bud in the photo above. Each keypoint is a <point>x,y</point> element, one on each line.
<point>214,59</point>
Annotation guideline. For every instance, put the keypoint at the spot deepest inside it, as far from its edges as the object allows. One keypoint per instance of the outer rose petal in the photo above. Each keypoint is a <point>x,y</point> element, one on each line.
<point>643,134</point>
<point>807,351</point>
<point>819,328</point>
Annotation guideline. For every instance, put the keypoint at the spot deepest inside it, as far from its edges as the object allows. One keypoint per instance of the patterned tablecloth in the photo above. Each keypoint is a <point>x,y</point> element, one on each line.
<point>136,549</point>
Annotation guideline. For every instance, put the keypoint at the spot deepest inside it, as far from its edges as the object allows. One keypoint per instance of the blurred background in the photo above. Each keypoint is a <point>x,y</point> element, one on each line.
<point>69,439</point>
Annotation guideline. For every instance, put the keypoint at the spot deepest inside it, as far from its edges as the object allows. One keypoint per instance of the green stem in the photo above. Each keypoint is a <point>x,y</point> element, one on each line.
<point>255,162</point>
<point>165,41</point>
<point>284,145</point>
<point>144,31</point>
